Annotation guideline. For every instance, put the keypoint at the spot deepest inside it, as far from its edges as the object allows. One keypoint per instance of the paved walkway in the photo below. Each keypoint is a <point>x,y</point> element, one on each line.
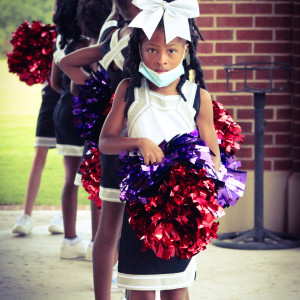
<point>30,268</point>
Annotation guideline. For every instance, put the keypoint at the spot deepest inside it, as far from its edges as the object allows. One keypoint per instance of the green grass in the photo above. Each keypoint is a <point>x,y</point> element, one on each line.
<point>19,105</point>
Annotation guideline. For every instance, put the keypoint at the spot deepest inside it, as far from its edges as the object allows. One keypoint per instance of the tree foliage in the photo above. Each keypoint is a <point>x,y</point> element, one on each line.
<point>15,12</point>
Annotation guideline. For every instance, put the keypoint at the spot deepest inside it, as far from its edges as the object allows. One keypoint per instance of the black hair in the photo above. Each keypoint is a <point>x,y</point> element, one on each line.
<point>91,15</point>
<point>123,4</point>
<point>133,60</point>
<point>66,21</point>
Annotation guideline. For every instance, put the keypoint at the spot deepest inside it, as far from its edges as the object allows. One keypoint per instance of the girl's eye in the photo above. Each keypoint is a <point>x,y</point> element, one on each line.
<point>151,50</point>
<point>172,50</point>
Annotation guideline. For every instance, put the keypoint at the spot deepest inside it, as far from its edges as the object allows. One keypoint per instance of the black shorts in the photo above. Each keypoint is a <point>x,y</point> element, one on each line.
<point>68,141</point>
<point>45,132</point>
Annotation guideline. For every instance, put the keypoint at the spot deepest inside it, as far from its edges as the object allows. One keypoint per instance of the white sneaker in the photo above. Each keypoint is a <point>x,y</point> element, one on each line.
<point>56,225</point>
<point>72,248</point>
<point>23,225</point>
<point>89,252</point>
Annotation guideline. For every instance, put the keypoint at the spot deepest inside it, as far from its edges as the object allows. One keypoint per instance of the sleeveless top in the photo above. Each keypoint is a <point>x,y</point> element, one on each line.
<point>114,50</point>
<point>66,98</point>
<point>159,117</point>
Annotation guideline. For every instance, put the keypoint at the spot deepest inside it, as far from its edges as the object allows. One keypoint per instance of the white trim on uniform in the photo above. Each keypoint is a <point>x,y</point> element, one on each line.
<point>159,282</point>
<point>77,180</point>
<point>41,141</point>
<point>109,194</point>
<point>69,150</point>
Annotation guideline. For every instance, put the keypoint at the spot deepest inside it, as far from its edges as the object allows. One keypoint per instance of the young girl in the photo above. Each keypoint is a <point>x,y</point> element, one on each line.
<point>44,140</point>
<point>91,15</point>
<point>69,144</point>
<point>157,103</point>
<point>111,53</point>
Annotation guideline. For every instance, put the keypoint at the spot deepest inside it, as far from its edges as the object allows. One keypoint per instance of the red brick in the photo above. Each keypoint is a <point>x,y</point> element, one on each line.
<point>234,22</point>
<point>233,47</point>
<point>283,59</point>
<point>208,74</point>
<point>274,152</point>
<point>273,22</point>
<point>296,114</point>
<point>215,87</point>
<point>284,113</point>
<point>215,9</point>
<point>261,86</point>
<point>296,140</point>
<point>295,61</point>
<point>255,35</point>
<point>283,35</point>
<point>250,139</point>
<point>278,99</point>
<point>249,114</point>
<point>296,153</point>
<point>247,8</point>
<point>235,100</point>
<point>296,166</point>
<point>246,126</point>
<point>276,74</point>
<point>203,22</point>
<point>283,139</point>
<point>249,165</point>
<point>296,128</point>
<point>245,152</point>
<point>296,22</point>
<point>272,47</point>
<point>215,60</point>
<point>296,48</point>
<point>296,35</point>
<point>282,165</point>
<point>233,74</point>
<point>278,126</point>
<point>213,35</point>
<point>283,9</point>
<point>205,48</point>
<point>254,58</point>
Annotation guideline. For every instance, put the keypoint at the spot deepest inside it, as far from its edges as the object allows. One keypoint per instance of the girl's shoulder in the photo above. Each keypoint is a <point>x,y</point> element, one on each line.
<point>204,95</point>
<point>123,85</point>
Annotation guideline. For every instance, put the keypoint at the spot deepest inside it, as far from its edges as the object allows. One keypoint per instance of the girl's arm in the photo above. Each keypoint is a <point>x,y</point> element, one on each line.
<point>206,127</point>
<point>55,78</point>
<point>110,141</point>
<point>72,63</point>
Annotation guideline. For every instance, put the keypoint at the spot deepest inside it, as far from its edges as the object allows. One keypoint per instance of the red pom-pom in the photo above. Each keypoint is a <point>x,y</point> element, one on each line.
<point>180,219</point>
<point>228,131</point>
<point>31,58</point>
<point>90,169</point>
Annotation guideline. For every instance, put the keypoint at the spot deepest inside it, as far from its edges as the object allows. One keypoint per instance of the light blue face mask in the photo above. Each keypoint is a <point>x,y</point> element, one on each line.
<point>163,79</point>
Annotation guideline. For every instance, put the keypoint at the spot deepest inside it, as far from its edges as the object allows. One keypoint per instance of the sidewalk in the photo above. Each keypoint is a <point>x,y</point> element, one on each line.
<point>30,268</point>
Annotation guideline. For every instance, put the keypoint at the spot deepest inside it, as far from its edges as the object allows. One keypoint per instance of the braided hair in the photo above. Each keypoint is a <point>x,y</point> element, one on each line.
<point>66,21</point>
<point>91,15</point>
<point>132,62</point>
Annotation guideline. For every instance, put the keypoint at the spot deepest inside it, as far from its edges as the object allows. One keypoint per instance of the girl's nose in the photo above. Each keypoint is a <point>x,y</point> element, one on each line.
<point>161,59</point>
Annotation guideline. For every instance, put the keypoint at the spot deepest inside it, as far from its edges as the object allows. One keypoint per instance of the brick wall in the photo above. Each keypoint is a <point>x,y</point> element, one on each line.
<point>265,31</point>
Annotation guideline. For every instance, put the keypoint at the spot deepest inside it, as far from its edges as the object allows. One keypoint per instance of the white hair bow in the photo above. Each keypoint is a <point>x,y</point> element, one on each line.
<point>176,15</point>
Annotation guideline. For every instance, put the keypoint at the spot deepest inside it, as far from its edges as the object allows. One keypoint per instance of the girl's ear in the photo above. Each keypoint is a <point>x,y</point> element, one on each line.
<point>186,50</point>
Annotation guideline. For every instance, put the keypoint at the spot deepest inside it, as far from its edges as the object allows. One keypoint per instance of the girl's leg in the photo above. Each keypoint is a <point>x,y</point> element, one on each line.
<point>34,181</point>
<point>95,215</point>
<point>138,295</point>
<point>105,245</point>
<point>69,196</point>
<point>178,294</point>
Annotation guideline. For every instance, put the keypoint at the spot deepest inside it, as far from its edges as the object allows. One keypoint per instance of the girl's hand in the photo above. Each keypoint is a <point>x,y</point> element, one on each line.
<point>150,151</point>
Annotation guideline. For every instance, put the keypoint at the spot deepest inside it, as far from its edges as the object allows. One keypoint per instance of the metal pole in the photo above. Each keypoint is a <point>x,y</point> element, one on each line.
<point>259,104</point>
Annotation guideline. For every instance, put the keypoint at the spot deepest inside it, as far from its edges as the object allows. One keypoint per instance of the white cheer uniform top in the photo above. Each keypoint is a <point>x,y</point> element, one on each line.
<point>158,117</point>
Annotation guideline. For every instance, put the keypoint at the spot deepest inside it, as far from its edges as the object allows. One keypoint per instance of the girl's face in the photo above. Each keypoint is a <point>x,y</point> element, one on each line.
<point>159,56</point>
